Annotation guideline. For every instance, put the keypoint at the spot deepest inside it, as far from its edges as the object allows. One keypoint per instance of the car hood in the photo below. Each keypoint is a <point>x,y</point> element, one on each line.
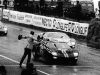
<point>68,41</point>
<point>59,49</point>
<point>58,39</point>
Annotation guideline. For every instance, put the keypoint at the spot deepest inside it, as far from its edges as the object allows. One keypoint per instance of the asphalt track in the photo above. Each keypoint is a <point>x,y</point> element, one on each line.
<point>11,52</point>
<point>14,69</point>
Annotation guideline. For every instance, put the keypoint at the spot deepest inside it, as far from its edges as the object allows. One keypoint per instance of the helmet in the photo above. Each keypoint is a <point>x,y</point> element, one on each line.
<point>32,32</point>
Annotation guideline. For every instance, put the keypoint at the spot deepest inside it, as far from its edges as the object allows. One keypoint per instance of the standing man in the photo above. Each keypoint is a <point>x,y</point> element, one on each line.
<point>5,3</point>
<point>78,11</point>
<point>96,13</point>
<point>28,49</point>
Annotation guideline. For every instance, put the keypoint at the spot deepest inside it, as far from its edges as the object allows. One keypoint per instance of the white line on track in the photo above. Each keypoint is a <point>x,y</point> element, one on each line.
<point>58,65</point>
<point>22,64</point>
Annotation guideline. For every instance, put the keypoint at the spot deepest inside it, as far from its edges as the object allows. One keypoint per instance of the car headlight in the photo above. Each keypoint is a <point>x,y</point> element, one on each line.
<point>54,53</point>
<point>75,54</point>
<point>72,46</point>
<point>5,28</point>
<point>73,43</point>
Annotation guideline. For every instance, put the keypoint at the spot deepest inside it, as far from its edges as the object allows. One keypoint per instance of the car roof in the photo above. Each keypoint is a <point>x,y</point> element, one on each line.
<point>55,34</point>
<point>59,45</point>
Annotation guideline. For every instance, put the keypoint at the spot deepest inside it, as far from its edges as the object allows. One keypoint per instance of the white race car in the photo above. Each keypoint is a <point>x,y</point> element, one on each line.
<point>56,46</point>
<point>58,36</point>
<point>3,29</point>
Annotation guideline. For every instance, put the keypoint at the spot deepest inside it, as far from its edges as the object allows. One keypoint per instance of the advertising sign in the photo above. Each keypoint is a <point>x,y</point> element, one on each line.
<point>42,21</point>
<point>0,13</point>
<point>70,26</point>
<point>6,14</point>
<point>47,22</point>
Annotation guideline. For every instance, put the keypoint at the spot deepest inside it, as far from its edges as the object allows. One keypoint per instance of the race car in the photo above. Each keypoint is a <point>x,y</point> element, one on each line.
<point>57,36</point>
<point>3,29</point>
<point>55,46</point>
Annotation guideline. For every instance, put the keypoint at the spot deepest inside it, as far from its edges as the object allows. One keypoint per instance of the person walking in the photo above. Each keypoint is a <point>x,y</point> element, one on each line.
<point>27,49</point>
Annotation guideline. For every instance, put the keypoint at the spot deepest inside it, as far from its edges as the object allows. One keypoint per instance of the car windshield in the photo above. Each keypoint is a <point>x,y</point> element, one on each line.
<point>62,45</point>
<point>58,45</point>
<point>56,35</point>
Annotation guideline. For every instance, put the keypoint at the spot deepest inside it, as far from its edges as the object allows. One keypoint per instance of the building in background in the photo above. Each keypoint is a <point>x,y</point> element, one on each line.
<point>10,3</point>
<point>1,2</point>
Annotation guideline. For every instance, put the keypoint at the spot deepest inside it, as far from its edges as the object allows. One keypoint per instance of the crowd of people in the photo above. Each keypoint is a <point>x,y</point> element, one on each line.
<point>71,11</point>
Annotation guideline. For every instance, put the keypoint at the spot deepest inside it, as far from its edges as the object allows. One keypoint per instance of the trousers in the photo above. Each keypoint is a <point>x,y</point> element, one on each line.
<point>27,52</point>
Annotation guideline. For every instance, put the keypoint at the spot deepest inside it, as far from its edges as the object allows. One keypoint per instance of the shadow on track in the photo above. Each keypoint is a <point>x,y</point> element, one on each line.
<point>55,62</point>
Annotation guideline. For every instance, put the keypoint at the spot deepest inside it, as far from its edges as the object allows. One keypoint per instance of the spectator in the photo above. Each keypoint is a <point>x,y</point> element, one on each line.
<point>96,13</point>
<point>37,8</point>
<point>2,70</point>
<point>78,11</point>
<point>5,3</point>
<point>60,9</point>
<point>45,9</point>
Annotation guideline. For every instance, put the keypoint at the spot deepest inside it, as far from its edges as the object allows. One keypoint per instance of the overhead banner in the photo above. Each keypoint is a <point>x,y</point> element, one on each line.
<point>20,17</point>
<point>6,14</point>
<point>47,22</point>
<point>42,21</point>
<point>16,16</point>
<point>70,26</point>
<point>28,18</point>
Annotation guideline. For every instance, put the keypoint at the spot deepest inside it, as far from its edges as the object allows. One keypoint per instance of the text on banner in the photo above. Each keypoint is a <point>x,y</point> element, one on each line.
<point>69,26</point>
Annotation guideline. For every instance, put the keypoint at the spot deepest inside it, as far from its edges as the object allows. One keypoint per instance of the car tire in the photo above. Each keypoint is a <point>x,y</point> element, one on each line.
<point>49,58</point>
<point>74,62</point>
<point>5,34</point>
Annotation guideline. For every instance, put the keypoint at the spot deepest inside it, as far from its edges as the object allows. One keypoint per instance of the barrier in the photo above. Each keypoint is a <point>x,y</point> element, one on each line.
<point>6,14</point>
<point>0,13</point>
<point>42,21</point>
<point>46,22</point>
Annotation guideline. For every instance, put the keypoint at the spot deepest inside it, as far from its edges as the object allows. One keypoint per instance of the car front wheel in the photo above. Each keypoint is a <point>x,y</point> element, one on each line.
<point>5,34</point>
<point>74,61</point>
